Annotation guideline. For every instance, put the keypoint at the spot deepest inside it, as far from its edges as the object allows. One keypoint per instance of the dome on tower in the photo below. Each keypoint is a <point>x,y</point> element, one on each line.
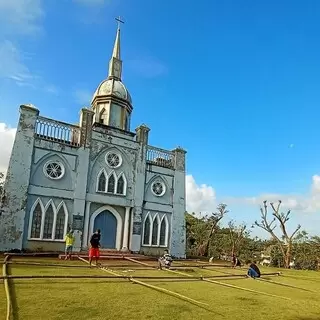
<point>113,87</point>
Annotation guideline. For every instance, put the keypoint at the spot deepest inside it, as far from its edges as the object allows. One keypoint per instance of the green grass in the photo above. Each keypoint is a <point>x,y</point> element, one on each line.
<point>120,299</point>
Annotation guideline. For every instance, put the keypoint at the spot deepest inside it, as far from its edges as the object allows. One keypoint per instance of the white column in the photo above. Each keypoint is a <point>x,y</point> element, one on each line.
<point>131,230</point>
<point>126,229</point>
<point>86,226</point>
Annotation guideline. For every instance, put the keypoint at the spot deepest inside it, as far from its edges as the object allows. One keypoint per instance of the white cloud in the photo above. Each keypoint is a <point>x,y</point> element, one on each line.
<point>12,65</point>
<point>83,96</point>
<point>199,198</point>
<point>92,3</point>
<point>51,89</point>
<point>7,135</point>
<point>21,16</point>
<point>308,203</point>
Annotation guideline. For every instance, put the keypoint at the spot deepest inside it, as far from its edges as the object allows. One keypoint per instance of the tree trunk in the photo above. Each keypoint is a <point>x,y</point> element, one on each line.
<point>207,243</point>
<point>287,257</point>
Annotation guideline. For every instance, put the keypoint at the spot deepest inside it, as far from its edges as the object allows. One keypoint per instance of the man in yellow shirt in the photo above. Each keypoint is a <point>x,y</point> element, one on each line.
<point>69,239</point>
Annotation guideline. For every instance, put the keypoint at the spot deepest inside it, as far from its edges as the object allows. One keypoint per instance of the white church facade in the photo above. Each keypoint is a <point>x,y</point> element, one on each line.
<point>97,174</point>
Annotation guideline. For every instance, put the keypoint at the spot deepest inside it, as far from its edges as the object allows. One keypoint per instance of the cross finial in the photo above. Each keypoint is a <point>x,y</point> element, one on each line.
<point>119,21</point>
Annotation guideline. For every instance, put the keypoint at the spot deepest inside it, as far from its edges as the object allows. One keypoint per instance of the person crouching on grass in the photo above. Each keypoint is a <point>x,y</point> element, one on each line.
<point>253,271</point>
<point>69,239</point>
<point>165,261</point>
<point>95,245</point>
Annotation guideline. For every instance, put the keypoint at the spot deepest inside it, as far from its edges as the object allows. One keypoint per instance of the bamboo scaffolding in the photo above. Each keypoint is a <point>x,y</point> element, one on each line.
<point>113,277</point>
<point>9,314</point>
<point>175,294</point>
<point>223,284</point>
<point>40,264</point>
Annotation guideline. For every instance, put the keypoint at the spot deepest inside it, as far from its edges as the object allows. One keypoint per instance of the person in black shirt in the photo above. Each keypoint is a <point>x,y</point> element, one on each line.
<point>254,271</point>
<point>236,261</point>
<point>95,245</point>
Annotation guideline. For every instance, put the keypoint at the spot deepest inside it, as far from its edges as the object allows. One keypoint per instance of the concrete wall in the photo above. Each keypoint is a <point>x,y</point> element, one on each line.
<point>16,185</point>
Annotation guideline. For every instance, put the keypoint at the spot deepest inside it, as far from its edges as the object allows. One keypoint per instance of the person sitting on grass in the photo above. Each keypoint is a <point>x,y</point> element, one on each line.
<point>253,271</point>
<point>235,261</point>
<point>165,261</point>
<point>95,245</point>
<point>69,239</point>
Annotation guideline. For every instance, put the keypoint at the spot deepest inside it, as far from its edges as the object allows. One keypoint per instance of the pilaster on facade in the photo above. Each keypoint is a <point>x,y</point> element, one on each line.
<point>86,122</point>
<point>178,234</point>
<point>14,200</point>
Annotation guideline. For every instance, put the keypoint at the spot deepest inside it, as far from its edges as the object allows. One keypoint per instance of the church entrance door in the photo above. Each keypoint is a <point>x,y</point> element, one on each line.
<point>107,223</point>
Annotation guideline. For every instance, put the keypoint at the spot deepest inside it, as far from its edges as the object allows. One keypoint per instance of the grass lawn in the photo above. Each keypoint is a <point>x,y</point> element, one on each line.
<point>120,299</point>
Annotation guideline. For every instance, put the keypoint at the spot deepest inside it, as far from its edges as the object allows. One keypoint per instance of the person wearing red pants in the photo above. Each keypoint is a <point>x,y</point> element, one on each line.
<point>95,245</point>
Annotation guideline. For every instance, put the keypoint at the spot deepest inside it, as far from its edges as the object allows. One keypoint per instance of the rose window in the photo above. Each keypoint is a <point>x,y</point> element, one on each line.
<point>113,160</point>
<point>54,170</point>
<point>158,188</point>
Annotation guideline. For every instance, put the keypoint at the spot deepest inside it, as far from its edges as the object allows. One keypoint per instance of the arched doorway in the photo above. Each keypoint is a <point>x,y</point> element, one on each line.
<point>107,223</point>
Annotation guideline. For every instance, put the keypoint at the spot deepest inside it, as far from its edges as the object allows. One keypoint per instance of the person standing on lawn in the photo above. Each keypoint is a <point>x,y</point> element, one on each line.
<point>69,239</point>
<point>254,271</point>
<point>95,245</point>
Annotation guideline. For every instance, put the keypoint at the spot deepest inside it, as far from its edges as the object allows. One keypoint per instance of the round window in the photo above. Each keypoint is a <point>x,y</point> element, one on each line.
<point>113,160</point>
<point>54,170</point>
<point>158,188</point>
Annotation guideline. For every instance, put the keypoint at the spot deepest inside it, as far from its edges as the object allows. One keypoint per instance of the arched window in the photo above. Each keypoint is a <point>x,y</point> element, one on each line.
<point>163,232</point>
<point>102,182</point>
<point>36,222</point>
<point>103,116</point>
<point>111,183</point>
<point>121,185</point>
<point>155,230</point>
<point>48,222</point>
<point>147,230</point>
<point>60,224</point>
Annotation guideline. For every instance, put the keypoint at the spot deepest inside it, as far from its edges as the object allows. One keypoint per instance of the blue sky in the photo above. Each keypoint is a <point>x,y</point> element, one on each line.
<point>234,82</point>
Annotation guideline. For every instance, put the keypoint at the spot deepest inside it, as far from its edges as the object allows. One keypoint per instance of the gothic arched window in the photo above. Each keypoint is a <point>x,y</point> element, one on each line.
<point>163,232</point>
<point>104,116</point>
<point>60,223</point>
<point>36,222</point>
<point>146,230</point>
<point>111,183</point>
<point>102,182</point>
<point>155,229</point>
<point>121,185</point>
<point>48,222</point>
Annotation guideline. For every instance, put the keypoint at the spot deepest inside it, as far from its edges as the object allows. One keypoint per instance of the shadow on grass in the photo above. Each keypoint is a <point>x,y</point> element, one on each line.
<point>13,295</point>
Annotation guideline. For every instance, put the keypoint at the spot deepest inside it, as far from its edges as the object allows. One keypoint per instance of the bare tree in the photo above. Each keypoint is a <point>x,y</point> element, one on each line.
<point>236,235</point>
<point>282,218</point>
<point>214,220</point>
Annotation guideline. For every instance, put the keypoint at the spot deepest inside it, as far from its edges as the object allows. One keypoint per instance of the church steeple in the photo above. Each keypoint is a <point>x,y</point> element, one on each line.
<point>112,102</point>
<point>115,64</point>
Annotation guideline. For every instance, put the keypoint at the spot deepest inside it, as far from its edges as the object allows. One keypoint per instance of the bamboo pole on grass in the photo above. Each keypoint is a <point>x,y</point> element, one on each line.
<point>9,314</point>
<point>286,285</point>
<point>225,284</point>
<point>175,294</point>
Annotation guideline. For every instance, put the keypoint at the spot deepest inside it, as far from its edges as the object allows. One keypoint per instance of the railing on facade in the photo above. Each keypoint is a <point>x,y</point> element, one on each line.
<point>57,131</point>
<point>160,157</point>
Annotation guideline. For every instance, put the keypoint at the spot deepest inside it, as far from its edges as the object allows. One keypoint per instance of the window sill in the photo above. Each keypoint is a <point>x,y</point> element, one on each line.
<point>46,240</point>
<point>111,194</point>
<point>154,246</point>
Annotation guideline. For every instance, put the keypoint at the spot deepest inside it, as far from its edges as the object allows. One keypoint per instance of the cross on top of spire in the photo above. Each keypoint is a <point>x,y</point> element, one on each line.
<point>119,21</point>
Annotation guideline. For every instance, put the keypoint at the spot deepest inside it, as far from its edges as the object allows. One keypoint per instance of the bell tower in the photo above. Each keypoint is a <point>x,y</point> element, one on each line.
<point>111,103</point>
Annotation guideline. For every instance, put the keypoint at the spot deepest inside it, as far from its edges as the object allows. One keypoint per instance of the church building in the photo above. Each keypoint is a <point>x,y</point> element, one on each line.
<point>95,175</point>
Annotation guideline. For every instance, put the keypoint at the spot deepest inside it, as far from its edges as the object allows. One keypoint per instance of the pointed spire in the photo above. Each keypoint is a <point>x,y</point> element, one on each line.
<point>115,64</point>
<point>116,48</point>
